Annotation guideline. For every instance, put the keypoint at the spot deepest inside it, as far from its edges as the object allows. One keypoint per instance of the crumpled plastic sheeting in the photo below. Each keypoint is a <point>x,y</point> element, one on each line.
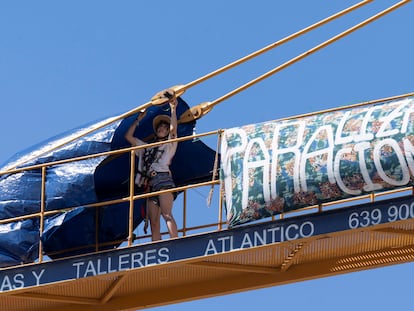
<point>19,242</point>
<point>58,236</point>
<point>62,147</point>
<point>74,178</point>
<point>84,182</point>
<point>20,194</point>
<point>67,185</point>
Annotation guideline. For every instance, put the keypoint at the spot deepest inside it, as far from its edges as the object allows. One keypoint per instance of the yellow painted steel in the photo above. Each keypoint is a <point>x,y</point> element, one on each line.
<point>214,182</point>
<point>195,112</point>
<point>210,105</point>
<point>231,272</point>
<point>276,44</point>
<point>131,198</point>
<point>212,275</point>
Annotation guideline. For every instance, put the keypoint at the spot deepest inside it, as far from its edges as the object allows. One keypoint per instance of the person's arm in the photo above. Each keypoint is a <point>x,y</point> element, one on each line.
<point>173,124</point>
<point>129,135</point>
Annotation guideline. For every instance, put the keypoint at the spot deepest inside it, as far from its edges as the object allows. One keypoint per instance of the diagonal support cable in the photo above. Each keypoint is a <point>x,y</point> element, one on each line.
<point>276,44</point>
<point>203,108</point>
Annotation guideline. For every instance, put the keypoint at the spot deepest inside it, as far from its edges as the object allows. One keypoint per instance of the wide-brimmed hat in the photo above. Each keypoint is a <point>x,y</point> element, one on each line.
<point>158,119</point>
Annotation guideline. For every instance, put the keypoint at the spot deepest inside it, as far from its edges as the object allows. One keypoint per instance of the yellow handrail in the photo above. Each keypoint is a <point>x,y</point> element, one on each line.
<point>107,153</point>
<point>42,214</point>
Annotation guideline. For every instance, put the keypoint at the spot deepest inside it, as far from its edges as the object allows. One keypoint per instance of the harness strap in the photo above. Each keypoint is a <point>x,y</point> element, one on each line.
<point>210,195</point>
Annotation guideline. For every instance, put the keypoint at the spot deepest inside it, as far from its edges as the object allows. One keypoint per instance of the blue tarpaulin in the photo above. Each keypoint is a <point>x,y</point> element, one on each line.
<point>76,184</point>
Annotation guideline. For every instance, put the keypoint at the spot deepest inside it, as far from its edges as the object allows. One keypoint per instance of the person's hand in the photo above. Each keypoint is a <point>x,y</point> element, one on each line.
<point>172,98</point>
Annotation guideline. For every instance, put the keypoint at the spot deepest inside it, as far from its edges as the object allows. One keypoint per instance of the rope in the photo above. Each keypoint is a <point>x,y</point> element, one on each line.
<point>210,194</point>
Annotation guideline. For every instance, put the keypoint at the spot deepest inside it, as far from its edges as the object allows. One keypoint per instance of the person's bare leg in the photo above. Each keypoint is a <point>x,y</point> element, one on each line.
<point>154,218</point>
<point>166,204</point>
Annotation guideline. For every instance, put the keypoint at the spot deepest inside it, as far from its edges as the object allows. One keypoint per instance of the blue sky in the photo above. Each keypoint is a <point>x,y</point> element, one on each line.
<point>66,63</point>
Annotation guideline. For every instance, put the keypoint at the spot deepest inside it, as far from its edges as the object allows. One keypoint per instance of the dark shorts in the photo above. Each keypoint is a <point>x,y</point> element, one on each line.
<point>161,181</point>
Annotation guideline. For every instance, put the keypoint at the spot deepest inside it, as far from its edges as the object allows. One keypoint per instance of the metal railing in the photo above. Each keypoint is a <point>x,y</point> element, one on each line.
<point>184,229</point>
